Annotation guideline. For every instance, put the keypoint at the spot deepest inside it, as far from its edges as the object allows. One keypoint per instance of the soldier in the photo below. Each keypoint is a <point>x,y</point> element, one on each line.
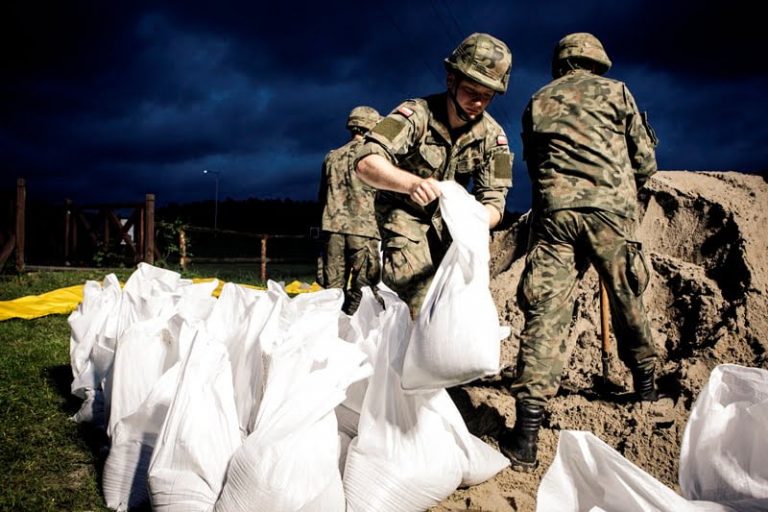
<point>446,136</point>
<point>588,151</point>
<point>350,258</point>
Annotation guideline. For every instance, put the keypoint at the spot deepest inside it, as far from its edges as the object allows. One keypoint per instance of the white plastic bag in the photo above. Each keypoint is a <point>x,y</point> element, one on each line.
<point>239,320</point>
<point>724,452</point>
<point>144,380</point>
<point>93,334</point>
<point>587,474</point>
<point>457,336</point>
<point>290,460</point>
<point>199,435</point>
<point>412,450</point>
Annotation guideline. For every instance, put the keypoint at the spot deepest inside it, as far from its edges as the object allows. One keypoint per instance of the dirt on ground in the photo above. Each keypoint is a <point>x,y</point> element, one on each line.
<point>706,236</point>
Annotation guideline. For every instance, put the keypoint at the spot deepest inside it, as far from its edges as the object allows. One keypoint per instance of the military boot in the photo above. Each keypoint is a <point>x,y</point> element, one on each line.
<point>519,444</point>
<point>645,384</point>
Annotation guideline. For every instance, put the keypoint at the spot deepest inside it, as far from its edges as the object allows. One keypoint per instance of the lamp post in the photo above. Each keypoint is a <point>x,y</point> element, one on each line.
<point>216,198</point>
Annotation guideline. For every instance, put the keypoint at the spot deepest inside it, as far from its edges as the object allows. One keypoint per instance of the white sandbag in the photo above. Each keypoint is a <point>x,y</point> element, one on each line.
<point>457,336</point>
<point>724,452</point>
<point>238,320</point>
<point>480,461</point>
<point>344,441</point>
<point>404,457</point>
<point>290,461</point>
<point>104,315</point>
<point>587,474</point>
<point>124,480</point>
<point>362,329</point>
<point>93,324</point>
<point>199,435</point>
<point>144,381</point>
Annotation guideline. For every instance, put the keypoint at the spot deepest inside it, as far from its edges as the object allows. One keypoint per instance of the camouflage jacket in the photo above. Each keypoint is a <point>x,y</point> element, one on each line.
<point>416,138</point>
<point>586,145</point>
<point>347,201</point>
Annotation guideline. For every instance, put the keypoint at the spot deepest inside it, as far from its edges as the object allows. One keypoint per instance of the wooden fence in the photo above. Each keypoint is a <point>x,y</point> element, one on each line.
<point>185,259</point>
<point>101,226</point>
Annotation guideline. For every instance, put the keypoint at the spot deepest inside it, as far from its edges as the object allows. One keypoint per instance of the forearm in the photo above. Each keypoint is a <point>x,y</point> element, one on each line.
<point>380,173</point>
<point>494,216</point>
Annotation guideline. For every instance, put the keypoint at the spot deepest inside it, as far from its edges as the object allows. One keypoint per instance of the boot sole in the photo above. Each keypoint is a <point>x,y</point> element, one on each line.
<point>517,464</point>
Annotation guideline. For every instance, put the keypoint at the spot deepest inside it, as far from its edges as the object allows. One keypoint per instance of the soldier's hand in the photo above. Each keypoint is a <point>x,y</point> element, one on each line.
<point>425,191</point>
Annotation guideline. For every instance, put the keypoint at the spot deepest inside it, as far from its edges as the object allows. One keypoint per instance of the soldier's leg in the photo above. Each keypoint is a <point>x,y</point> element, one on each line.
<point>363,262</point>
<point>333,263</point>
<point>545,294</point>
<point>407,268</point>
<point>622,266</point>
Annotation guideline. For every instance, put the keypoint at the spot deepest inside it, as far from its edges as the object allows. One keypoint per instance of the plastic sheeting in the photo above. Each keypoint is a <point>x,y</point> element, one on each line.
<point>65,300</point>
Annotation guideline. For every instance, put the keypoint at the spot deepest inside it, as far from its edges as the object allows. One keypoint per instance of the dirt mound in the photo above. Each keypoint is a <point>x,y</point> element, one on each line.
<point>706,237</point>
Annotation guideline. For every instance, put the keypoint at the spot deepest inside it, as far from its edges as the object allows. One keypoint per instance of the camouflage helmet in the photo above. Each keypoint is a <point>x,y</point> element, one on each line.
<point>582,45</point>
<point>363,117</point>
<point>484,59</point>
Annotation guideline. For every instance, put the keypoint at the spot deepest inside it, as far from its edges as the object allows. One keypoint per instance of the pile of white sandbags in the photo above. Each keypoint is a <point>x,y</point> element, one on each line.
<point>259,401</point>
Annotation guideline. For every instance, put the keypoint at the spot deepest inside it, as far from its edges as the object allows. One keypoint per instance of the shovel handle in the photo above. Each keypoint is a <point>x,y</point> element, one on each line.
<point>605,319</point>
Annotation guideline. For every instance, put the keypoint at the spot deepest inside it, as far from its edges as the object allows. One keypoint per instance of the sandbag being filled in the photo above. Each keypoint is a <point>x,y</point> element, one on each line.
<point>457,337</point>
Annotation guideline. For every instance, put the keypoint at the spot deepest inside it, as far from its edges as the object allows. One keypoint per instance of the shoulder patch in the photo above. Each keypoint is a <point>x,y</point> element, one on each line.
<point>501,140</point>
<point>405,111</point>
<point>389,127</point>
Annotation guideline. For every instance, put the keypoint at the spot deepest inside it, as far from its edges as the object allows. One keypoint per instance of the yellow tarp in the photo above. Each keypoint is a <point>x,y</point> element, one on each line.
<point>64,300</point>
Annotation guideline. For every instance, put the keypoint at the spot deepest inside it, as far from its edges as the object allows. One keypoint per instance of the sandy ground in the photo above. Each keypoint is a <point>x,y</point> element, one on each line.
<point>706,235</point>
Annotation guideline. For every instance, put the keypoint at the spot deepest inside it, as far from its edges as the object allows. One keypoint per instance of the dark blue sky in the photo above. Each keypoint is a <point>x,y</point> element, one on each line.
<point>108,100</point>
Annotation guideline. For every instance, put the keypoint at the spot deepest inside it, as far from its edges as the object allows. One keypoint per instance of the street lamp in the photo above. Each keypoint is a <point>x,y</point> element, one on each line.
<point>216,198</point>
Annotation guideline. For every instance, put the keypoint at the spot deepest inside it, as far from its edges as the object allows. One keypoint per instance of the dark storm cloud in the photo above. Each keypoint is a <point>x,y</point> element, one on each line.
<point>112,100</point>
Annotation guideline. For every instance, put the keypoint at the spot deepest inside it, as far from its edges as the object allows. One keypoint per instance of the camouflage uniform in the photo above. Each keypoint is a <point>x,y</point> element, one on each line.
<point>415,137</point>
<point>351,236</point>
<point>588,150</point>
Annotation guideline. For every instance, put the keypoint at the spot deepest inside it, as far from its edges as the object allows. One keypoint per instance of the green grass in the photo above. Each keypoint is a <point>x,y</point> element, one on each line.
<point>47,462</point>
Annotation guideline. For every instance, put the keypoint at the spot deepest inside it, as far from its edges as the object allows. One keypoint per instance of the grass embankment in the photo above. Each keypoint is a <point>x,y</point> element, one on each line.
<point>48,463</point>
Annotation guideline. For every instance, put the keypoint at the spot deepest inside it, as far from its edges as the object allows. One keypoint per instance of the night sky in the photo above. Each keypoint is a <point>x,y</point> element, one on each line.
<point>107,100</point>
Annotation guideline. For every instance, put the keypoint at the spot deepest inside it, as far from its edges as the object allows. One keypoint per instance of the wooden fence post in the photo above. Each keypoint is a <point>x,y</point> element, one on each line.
<point>149,229</point>
<point>264,258</point>
<point>67,229</point>
<point>183,259</point>
<point>21,200</point>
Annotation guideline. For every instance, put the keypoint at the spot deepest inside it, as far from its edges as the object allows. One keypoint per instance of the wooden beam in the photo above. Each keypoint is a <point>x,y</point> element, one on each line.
<point>21,204</point>
<point>8,248</point>
<point>149,229</point>
<point>119,226</point>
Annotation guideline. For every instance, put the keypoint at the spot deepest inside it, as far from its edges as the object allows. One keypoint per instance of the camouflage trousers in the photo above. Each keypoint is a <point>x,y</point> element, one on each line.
<point>350,262</point>
<point>562,244</point>
<point>410,263</point>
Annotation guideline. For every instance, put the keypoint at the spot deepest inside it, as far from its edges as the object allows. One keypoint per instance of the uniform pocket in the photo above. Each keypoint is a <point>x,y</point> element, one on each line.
<point>398,269</point>
<point>433,155</point>
<point>637,268</point>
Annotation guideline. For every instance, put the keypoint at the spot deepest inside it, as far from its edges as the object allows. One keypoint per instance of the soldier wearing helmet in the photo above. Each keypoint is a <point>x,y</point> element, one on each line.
<point>446,136</point>
<point>588,151</point>
<point>350,257</point>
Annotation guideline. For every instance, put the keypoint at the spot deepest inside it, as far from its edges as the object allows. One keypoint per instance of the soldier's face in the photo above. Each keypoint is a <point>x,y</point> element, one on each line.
<point>473,97</point>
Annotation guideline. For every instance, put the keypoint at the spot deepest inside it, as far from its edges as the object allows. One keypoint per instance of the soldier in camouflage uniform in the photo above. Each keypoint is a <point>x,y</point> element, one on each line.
<point>588,151</point>
<point>350,258</point>
<point>446,136</point>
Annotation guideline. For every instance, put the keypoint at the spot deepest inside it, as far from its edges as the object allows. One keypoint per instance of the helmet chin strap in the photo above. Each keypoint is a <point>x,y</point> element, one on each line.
<point>460,112</point>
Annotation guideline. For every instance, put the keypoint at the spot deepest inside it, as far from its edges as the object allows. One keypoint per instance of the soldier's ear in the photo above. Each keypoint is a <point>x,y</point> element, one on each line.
<point>450,80</point>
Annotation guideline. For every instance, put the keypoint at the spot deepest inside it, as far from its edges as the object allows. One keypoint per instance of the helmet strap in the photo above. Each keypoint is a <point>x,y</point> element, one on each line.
<point>460,112</point>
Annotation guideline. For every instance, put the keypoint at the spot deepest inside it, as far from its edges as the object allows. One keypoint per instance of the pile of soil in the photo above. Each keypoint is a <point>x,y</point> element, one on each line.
<point>706,236</point>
